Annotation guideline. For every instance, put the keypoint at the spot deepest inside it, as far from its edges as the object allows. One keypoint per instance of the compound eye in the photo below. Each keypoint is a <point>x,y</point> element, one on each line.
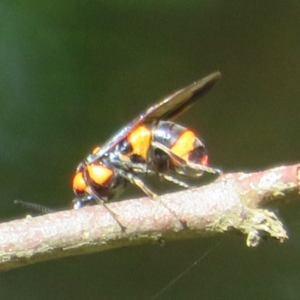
<point>99,173</point>
<point>79,184</point>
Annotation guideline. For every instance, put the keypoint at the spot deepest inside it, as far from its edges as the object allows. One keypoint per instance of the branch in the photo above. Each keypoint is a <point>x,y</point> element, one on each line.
<point>230,204</point>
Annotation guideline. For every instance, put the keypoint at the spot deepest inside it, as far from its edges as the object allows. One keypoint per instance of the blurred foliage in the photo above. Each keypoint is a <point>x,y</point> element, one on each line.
<point>73,72</point>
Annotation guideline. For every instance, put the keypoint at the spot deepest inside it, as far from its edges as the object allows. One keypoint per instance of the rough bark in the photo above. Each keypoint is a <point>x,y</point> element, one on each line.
<point>231,204</point>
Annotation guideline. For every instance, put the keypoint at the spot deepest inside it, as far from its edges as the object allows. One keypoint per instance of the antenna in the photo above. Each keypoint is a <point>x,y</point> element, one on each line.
<point>34,206</point>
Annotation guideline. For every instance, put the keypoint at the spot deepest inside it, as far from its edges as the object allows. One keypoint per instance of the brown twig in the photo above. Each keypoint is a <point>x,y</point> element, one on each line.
<point>230,204</point>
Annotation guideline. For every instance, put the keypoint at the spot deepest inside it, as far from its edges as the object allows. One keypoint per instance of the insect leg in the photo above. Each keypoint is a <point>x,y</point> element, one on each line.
<point>178,160</point>
<point>138,182</point>
<point>98,200</point>
<point>132,166</point>
<point>202,168</point>
<point>174,180</point>
<point>185,164</point>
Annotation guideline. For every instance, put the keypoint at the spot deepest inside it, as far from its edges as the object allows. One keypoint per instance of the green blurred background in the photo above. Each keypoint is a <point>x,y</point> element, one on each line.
<point>73,72</point>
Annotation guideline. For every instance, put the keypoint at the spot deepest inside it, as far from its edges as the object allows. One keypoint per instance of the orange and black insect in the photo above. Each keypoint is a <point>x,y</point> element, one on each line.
<point>150,144</point>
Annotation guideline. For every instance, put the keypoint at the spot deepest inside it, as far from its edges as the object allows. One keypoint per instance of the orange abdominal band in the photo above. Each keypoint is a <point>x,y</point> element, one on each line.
<point>184,145</point>
<point>140,140</point>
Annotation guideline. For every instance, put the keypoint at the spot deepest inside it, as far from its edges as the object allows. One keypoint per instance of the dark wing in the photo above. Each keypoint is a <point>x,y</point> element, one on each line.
<point>167,109</point>
<point>174,105</point>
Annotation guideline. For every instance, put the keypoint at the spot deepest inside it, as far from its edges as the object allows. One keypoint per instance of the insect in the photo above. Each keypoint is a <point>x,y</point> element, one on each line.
<point>151,144</point>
